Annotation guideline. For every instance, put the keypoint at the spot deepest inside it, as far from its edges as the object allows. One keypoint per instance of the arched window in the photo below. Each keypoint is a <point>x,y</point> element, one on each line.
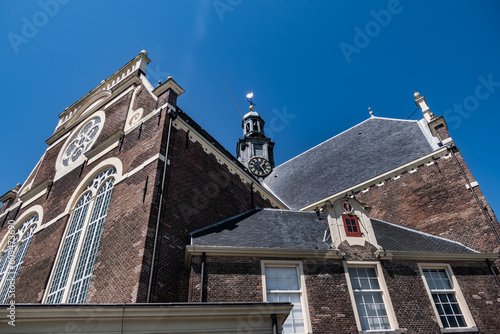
<point>77,256</point>
<point>13,255</point>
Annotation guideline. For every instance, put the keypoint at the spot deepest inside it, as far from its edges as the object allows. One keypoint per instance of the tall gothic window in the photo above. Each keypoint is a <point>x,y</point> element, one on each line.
<point>13,255</point>
<point>71,277</point>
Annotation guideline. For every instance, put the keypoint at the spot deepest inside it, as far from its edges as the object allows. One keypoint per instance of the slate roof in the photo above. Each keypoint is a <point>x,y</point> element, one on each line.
<point>267,228</point>
<point>368,149</point>
<point>397,238</point>
<point>282,229</point>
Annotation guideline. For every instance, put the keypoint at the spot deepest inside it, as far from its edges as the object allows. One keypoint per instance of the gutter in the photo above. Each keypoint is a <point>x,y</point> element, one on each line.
<point>198,250</point>
<point>426,256</point>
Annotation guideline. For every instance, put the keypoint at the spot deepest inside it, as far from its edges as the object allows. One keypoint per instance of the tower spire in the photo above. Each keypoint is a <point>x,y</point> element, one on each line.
<point>255,150</point>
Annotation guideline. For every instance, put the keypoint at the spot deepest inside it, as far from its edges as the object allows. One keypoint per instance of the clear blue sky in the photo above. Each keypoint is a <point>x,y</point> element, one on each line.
<point>314,66</point>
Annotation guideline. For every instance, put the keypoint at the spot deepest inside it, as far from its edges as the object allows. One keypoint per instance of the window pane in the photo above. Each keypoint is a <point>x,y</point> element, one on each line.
<point>91,244</point>
<point>16,252</point>
<point>70,243</point>
<point>369,303</point>
<point>446,303</point>
<point>86,260</point>
<point>280,280</point>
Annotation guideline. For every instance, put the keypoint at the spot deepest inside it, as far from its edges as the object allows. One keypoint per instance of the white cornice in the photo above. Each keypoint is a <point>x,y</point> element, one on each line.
<point>380,178</point>
<point>261,252</point>
<point>169,84</point>
<point>148,318</point>
<point>429,256</point>
<point>38,190</point>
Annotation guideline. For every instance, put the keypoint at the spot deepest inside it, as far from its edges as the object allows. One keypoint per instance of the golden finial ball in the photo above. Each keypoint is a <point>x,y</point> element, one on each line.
<point>251,108</point>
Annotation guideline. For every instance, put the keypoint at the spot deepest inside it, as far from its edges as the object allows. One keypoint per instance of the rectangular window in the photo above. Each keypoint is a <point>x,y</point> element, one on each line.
<point>283,284</point>
<point>257,150</point>
<point>447,299</point>
<point>370,298</point>
<point>351,225</point>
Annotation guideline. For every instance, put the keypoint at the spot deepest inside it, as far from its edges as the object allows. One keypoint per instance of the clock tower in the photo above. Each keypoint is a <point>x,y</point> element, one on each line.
<point>255,150</point>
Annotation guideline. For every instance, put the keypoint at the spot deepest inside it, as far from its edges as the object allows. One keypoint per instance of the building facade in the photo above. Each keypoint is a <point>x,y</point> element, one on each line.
<point>134,204</point>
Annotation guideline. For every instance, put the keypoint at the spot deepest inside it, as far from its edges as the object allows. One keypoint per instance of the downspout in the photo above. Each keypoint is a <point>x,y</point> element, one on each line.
<point>481,205</point>
<point>172,117</point>
<point>202,285</point>
<point>275,323</point>
<point>490,265</point>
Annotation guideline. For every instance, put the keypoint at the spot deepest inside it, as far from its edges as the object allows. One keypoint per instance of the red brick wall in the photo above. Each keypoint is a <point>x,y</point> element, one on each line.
<point>200,192</point>
<point>435,202</point>
<point>121,256</point>
<point>330,307</point>
<point>34,275</point>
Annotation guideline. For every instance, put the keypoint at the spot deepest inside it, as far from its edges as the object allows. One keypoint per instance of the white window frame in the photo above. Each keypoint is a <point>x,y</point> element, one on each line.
<point>385,294</point>
<point>34,211</point>
<point>302,291</point>
<point>471,325</point>
<point>81,239</point>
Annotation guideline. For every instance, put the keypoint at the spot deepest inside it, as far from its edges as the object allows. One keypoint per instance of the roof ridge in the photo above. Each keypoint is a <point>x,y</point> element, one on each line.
<point>286,210</point>
<point>426,234</point>
<point>396,119</point>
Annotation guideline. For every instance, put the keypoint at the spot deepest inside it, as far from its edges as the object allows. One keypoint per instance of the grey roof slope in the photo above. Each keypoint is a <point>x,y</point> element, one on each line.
<point>282,229</point>
<point>267,228</point>
<point>372,147</point>
<point>397,238</point>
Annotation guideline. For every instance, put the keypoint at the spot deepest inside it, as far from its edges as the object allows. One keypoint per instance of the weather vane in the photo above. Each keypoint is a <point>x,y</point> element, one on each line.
<point>249,99</point>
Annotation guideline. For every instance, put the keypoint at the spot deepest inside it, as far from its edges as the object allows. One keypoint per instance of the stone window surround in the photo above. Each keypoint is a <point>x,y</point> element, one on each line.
<point>458,294</point>
<point>385,295</point>
<point>35,210</point>
<point>303,289</point>
<point>351,217</point>
<point>75,198</point>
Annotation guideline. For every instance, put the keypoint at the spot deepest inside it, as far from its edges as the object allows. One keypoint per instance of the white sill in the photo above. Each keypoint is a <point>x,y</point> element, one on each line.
<point>460,330</point>
<point>387,331</point>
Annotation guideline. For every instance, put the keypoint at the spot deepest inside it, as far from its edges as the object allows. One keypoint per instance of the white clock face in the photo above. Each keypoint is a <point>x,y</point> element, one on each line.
<point>81,141</point>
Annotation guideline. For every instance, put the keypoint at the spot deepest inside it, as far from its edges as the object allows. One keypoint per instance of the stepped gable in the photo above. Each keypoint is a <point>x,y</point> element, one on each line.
<point>373,147</point>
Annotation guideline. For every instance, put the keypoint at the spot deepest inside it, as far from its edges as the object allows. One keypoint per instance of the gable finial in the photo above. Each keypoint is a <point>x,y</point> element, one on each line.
<point>370,111</point>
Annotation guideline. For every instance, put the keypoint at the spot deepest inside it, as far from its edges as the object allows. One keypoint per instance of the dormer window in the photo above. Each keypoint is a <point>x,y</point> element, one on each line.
<point>351,225</point>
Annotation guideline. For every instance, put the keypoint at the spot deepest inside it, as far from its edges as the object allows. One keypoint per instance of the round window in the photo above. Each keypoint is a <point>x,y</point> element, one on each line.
<point>81,141</point>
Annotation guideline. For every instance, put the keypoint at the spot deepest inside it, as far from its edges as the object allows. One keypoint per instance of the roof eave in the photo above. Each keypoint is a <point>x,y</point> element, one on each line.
<point>434,256</point>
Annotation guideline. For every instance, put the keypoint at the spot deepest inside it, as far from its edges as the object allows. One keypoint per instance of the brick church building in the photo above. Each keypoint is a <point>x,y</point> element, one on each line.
<point>136,220</point>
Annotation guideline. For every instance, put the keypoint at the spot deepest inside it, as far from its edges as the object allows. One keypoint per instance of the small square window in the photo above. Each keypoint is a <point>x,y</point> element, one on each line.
<point>351,225</point>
